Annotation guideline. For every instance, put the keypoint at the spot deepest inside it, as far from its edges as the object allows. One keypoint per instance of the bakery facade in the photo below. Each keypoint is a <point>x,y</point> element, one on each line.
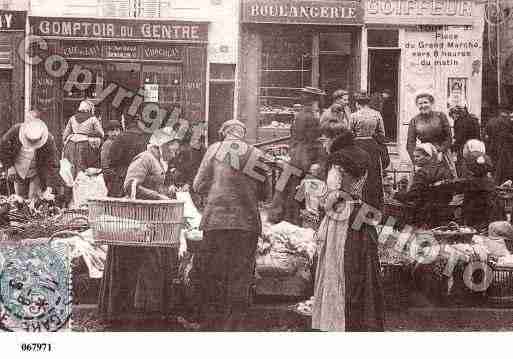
<point>287,45</point>
<point>162,62</point>
<point>434,46</point>
<point>12,68</point>
<point>404,46</point>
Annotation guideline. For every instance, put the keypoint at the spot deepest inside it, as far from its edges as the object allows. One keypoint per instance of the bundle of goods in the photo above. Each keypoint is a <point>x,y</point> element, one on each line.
<point>285,254</point>
<point>21,219</point>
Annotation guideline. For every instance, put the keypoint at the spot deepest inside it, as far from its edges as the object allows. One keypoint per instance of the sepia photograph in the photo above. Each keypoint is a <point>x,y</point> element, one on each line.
<point>276,166</point>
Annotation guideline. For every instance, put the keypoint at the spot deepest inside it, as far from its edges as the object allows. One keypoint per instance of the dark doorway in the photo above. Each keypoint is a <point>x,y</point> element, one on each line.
<point>5,101</point>
<point>220,108</point>
<point>384,75</point>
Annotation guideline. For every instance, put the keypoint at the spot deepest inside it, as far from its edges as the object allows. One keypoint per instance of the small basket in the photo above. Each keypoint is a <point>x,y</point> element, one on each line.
<point>130,222</point>
<point>505,198</point>
<point>500,291</point>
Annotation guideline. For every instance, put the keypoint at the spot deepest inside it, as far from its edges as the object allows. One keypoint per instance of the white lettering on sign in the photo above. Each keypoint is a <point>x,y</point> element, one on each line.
<point>158,31</point>
<point>70,28</point>
<point>420,7</point>
<point>303,12</point>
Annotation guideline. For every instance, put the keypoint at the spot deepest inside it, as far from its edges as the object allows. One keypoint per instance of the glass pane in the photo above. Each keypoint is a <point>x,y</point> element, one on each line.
<point>169,80</point>
<point>336,41</point>
<point>382,38</point>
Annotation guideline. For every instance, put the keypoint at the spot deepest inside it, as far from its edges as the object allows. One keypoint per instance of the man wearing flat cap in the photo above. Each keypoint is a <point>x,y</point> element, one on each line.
<point>305,149</point>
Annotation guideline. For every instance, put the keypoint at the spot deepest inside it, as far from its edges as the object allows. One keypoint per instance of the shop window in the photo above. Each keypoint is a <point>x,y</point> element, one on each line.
<point>286,67</point>
<point>167,82</point>
<point>382,38</point>
<point>335,42</point>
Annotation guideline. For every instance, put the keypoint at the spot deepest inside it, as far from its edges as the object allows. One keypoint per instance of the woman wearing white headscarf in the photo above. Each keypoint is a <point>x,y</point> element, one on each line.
<point>140,280</point>
<point>82,138</point>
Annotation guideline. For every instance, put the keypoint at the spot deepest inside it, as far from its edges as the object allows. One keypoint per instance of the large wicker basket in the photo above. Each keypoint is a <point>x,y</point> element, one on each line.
<point>129,222</point>
<point>500,291</point>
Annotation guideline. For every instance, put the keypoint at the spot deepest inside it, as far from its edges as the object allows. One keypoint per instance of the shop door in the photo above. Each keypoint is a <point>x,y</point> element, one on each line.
<point>5,101</point>
<point>220,108</point>
<point>384,75</point>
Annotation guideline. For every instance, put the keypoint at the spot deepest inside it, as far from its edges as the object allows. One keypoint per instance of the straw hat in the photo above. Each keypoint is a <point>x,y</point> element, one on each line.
<point>33,134</point>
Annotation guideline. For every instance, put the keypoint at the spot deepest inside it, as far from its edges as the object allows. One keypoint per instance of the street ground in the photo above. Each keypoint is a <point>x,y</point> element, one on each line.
<point>280,317</point>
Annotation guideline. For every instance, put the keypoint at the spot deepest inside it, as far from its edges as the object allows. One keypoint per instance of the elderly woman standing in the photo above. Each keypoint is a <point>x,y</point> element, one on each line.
<point>82,138</point>
<point>231,225</point>
<point>430,126</point>
<point>140,280</point>
<point>348,289</point>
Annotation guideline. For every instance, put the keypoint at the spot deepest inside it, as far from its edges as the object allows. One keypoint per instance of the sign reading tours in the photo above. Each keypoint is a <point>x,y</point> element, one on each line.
<point>186,31</point>
<point>12,20</point>
<point>302,12</point>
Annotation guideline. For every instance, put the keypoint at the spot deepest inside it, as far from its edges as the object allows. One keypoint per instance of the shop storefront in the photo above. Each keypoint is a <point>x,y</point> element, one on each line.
<point>288,45</point>
<point>417,46</point>
<point>12,71</point>
<point>162,62</point>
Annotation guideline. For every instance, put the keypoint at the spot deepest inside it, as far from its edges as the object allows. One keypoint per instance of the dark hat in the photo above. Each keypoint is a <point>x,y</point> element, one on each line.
<point>112,125</point>
<point>312,91</point>
<point>352,159</point>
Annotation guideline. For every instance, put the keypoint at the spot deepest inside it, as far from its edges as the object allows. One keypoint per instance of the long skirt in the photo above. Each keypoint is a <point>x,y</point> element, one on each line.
<point>81,155</point>
<point>348,286</point>
<point>227,266</point>
<point>139,283</point>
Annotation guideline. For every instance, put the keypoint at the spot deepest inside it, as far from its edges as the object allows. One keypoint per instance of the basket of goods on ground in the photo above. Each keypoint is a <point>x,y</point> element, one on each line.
<point>130,222</point>
<point>454,276</point>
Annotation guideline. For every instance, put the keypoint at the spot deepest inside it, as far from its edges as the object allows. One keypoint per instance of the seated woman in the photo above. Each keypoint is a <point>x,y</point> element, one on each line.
<point>478,188</point>
<point>426,200</point>
<point>140,280</point>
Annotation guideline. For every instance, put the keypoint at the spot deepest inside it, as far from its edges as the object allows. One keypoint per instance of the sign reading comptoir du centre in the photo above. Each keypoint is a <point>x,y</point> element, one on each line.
<point>186,31</point>
<point>325,12</point>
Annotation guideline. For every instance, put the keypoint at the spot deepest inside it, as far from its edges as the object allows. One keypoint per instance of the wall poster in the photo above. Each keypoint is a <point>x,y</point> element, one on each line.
<point>457,90</point>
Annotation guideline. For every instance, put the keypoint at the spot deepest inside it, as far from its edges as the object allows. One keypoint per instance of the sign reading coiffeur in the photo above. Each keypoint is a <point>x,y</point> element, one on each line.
<point>420,11</point>
<point>326,12</point>
<point>120,29</point>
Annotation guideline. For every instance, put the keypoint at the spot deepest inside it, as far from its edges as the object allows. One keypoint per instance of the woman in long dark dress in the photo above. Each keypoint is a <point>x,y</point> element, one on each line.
<point>138,282</point>
<point>430,126</point>
<point>372,141</point>
<point>504,167</point>
<point>348,288</point>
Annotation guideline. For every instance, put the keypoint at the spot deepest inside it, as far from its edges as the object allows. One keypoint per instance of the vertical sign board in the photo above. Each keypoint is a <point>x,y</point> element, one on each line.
<point>194,84</point>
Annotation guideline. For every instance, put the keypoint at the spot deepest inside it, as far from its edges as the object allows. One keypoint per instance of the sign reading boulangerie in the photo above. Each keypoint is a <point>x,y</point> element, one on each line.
<point>329,12</point>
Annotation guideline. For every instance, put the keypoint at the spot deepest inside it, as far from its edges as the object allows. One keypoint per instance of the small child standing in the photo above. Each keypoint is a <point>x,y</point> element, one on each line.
<point>112,130</point>
<point>312,189</point>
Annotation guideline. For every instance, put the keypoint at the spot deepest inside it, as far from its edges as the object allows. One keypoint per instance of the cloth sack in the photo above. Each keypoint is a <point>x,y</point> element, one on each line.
<point>65,172</point>
<point>86,186</point>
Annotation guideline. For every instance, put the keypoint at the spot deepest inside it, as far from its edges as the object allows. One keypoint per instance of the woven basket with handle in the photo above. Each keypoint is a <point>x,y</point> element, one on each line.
<point>132,222</point>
